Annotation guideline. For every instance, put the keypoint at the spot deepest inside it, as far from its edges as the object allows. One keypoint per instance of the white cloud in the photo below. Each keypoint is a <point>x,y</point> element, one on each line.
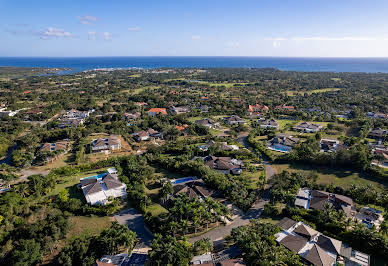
<point>134,28</point>
<point>107,36</point>
<point>276,44</point>
<point>54,32</point>
<point>322,38</point>
<point>87,20</point>
<point>195,37</point>
<point>92,35</point>
<point>233,44</point>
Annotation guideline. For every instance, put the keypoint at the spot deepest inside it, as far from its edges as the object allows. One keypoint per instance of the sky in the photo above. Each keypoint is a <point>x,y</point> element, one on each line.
<point>293,28</point>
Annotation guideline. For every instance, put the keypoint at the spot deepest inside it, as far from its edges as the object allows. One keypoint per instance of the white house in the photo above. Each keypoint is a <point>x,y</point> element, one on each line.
<point>98,189</point>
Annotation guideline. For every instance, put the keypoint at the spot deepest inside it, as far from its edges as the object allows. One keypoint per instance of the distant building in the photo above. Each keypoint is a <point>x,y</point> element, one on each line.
<point>271,123</point>
<point>283,143</point>
<point>329,145</point>
<point>233,120</point>
<point>225,165</point>
<point>180,110</point>
<point>207,122</point>
<point>147,135</point>
<point>157,111</point>
<point>377,133</point>
<point>56,146</point>
<point>112,143</point>
<point>285,108</point>
<point>257,109</point>
<point>307,127</point>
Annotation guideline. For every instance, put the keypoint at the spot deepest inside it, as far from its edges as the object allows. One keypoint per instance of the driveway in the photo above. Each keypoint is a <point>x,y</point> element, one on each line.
<point>218,234</point>
<point>134,220</point>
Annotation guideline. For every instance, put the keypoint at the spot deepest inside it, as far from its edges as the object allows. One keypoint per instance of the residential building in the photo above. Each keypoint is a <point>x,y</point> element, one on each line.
<point>224,165</point>
<point>377,133</point>
<point>56,146</point>
<point>328,145</point>
<point>180,110</point>
<point>157,111</point>
<point>97,189</point>
<point>316,199</point>
<point>112,143</point>
<point>307,127</point>
<point>283,143</point>
<point>370,217</point>
<point>74,118</point>
<point>316,248</point>
<point>221,145</point>
<point>285,108</point>
<point>257,109</point>
<point>233,120</point>
<point>207,122</point>
<point>143,135</point>
<point>270,123</point>
<point>132,116</point>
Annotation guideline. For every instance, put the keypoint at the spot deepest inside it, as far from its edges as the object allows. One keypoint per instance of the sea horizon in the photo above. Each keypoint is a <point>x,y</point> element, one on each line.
<point>304,64</point>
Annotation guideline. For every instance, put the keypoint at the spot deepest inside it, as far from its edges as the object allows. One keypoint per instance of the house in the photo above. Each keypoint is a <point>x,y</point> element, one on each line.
<point>328,145</point>
<point>285,108</point>
<point>233,120</point>
<point>204,108</point>
<point>136,258</point>
<point>270,123</point>
<point>132,116</point>
<point>207,122</point>
<point>224,165</point>
<point>377,133</point>
<point>307,127</point>
<point>370,216</point>
<point>112,143</point>
<point>221,145</point>
<point>74,118</point>
<point>110,260</point>
<point>141,104</point>
<point>257,109</point>
<point>157,111</point>
<point>283,143</point>
<point>97,189</point>
<point>180,110</point>
<point>316,248</point>
<point>146,135</point>
<point>316,199</point>
<point>192,187</point>
<point>182,128</point>
<point>56,146</point>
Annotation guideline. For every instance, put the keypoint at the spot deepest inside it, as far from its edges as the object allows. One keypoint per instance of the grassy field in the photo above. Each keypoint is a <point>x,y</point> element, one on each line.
<point>293,93</point>
<point>80,225</point>
<point>339,177</point>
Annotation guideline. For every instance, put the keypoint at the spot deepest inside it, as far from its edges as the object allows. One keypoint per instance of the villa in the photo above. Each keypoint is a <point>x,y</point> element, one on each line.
<point>316,248</point>
<point>328,145</point>
<point>207,122</point>
<point>307,127</point>
<point>377,133</point>
<point>157,111</point>
<point>257,109</point>
<point>271,123</point>
<point>146,135</point>
<point>56,146</point>
<point>225,165</point>
<point>112,143</point>
<point>283,143</point>
<point>97,189</point>
<point>233,120</point>
<point>180,110</point>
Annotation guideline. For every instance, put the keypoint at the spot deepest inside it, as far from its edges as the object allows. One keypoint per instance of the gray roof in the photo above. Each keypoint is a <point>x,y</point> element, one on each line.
<point>294,243</point>
<point>286,223</point>
<point>317,256</point>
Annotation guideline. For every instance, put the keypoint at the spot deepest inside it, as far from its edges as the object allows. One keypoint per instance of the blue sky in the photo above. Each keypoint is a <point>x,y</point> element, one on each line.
<point>310,28</point>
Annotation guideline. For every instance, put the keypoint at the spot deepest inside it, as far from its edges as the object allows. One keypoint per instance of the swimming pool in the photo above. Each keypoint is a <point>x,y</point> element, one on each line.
<point>278,149</point>
<point>183,180</point>
<point>99,176</point>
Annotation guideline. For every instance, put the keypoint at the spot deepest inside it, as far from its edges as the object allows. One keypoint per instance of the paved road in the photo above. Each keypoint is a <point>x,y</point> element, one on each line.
<point>240,219</point>
<point>135,222</point>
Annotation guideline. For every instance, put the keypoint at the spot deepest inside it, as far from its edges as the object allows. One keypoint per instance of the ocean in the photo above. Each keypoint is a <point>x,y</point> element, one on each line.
<point>369,65</point>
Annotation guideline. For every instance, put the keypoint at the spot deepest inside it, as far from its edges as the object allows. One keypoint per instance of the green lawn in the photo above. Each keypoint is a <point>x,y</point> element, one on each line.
<point>339,177</point>
<point>156,209</point>
<point>293,93</point>
<point>80,225</point>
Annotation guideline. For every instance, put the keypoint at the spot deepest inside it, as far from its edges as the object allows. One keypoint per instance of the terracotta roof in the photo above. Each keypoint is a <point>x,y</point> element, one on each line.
<point>319,257</point>
<point>158,111</point>
<point>286,223</point>
<point>306,230</point>
<point>294,243</point>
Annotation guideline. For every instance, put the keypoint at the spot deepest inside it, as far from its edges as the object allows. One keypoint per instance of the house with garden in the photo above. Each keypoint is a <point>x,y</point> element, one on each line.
<point>307,127</point>
<point>270,123</point>
<point>283,143</point>
<point>107,145</point>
